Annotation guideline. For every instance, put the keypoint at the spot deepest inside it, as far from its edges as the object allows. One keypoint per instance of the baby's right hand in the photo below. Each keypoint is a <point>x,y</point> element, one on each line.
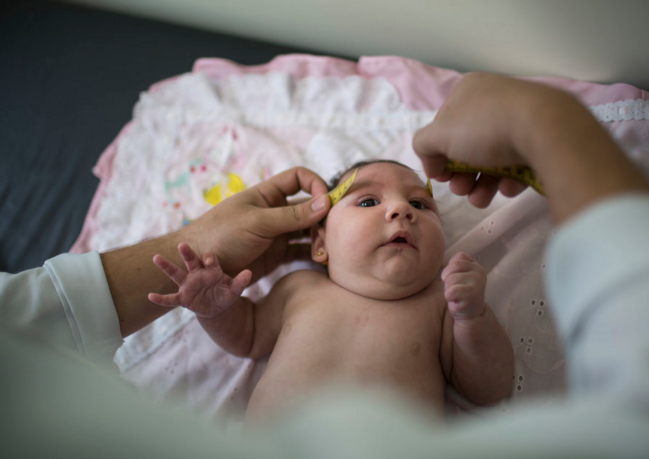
<point>204,289</point>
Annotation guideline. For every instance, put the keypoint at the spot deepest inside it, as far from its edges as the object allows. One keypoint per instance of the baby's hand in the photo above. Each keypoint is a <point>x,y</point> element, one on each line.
<point>464,286</point>
<point>205,288</point>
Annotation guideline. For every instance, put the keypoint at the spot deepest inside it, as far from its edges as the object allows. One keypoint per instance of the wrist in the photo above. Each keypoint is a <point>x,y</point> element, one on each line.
<point>196,237</point>
<point>470,315</point>
<point>576,159</point>
<point>540,115</point>
<point>188,235</point>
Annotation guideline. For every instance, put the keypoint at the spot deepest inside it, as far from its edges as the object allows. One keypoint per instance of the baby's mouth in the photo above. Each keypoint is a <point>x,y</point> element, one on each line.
<point>400,239</point>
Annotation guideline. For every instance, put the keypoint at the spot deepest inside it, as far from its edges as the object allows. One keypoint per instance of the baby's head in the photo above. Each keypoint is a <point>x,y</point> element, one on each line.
<point>383,239</point>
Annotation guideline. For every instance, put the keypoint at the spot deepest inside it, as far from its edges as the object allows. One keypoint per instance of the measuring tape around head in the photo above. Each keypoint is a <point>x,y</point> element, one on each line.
<point>337,193</point>
<point>520,173</point>
<point>523,174</point>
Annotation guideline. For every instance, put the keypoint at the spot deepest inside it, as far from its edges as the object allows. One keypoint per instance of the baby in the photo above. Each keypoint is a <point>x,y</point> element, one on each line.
<point>381,317</point>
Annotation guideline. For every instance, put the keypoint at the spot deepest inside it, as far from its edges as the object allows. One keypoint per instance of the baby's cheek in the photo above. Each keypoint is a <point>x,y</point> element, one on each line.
<point>435,255</point>
<point>346,256</point>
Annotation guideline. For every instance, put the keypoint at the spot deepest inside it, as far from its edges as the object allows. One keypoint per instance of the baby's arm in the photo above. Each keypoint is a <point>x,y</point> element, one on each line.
<point>235,323</point>
<point>476,354</point>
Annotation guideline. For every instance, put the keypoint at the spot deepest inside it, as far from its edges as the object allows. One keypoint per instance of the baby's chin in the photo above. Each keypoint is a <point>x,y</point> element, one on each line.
<point>385,288</point>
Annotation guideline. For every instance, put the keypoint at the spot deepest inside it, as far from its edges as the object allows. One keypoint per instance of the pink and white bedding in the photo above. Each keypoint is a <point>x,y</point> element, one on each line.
<point>199,137</point>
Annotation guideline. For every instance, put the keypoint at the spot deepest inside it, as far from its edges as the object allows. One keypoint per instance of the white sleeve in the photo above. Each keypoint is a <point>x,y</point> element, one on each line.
<point>66,303</point>
<point>598,282</point>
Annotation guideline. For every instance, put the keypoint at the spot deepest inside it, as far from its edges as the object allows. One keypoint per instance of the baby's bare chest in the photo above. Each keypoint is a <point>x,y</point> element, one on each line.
<point>328,336</point>
<point>336,331</point>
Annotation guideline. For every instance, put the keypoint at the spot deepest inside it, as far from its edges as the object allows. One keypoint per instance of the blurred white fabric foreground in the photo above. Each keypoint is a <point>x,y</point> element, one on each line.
<point>85,413</point>
<point>226,126</point>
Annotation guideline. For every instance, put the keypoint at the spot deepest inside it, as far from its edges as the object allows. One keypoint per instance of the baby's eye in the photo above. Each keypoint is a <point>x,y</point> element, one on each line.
<point>418,205</point>
<point>369,203</point>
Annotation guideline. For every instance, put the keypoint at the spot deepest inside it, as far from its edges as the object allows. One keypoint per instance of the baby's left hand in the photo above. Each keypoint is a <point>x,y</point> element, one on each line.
<point>464,286</point>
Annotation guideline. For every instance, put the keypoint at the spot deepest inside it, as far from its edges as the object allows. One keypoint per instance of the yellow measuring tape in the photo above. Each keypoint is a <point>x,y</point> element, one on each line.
<point>337,193</point>
<point>520,173</point>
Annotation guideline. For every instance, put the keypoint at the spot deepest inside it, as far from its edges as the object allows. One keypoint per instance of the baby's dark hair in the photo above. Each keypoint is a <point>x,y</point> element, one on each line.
<point>335,181</point>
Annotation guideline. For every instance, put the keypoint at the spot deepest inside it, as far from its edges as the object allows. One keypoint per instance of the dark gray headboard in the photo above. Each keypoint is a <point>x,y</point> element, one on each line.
<point>69,79</point>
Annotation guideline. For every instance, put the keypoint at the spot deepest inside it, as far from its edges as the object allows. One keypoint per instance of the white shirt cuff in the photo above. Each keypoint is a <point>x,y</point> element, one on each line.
<point>82,287</point>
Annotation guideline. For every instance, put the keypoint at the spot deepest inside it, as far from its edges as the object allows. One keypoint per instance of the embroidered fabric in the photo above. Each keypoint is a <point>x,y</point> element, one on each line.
<point>199,137</point>
<point>622,110</point>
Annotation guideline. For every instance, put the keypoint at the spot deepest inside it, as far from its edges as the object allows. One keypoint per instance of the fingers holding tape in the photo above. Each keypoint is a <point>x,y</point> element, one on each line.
<point>522,174</point>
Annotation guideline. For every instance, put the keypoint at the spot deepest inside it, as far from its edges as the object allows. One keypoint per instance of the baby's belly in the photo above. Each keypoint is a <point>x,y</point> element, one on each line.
<point>376,351</point>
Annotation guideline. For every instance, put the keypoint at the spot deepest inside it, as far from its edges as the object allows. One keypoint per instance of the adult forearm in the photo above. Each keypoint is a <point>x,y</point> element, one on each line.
<point>247,231</point>
<point>577,160</point>
<point>132,275</point>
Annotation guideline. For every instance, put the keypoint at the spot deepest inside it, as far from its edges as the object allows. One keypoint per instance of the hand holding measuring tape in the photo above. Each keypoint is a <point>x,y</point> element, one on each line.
<point>522,174</point>
<point>477,140</point>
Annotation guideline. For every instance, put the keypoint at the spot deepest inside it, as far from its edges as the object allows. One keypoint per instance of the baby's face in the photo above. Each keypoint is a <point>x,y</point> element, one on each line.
<point>383,239</point>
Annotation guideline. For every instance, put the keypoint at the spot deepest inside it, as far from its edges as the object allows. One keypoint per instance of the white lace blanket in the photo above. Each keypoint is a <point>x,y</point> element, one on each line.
<point>196,138</point>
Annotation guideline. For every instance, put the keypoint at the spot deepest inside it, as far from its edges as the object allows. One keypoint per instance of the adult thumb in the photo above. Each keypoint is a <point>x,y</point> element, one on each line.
<point>280,220</point>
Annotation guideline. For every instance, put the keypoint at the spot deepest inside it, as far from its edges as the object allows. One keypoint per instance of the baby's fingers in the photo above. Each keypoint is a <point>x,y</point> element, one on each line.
<point>211,262</point>
<point>240,282</point>
<point>177,275</point>
<point>460,263</point>
<point>168,301</point>
<point>192,262</point>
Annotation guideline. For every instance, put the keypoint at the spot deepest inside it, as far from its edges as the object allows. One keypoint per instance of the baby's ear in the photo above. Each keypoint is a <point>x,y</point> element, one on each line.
<point>318,247</point>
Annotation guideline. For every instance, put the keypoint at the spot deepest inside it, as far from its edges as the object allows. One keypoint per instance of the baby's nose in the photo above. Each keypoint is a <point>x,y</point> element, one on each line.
<point>400,211</point>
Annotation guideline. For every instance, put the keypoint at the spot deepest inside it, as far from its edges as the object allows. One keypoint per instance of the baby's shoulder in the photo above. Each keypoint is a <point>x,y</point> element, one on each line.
<point>303,276</point>
<point>302,280</point>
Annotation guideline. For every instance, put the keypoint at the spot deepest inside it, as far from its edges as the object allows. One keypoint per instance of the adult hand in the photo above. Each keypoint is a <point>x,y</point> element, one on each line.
<point>246,231</point>
<point>480,123</point>
<point>493,120</point>
<point>252,229</point>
